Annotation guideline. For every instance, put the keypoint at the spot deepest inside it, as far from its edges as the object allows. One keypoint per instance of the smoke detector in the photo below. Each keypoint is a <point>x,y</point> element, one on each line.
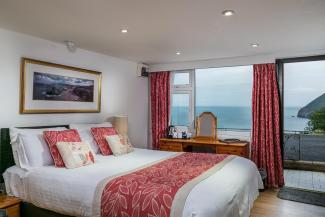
<point>71,46</point>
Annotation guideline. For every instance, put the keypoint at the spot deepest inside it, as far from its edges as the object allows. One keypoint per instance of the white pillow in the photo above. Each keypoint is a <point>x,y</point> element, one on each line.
<point>85,133</point>
<point>36,149</point>
<point>18,149</point>
<point>75,154</point>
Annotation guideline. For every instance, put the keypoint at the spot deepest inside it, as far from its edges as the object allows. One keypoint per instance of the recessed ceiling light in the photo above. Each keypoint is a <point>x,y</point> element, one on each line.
<point>178,53</point>
<point>255,45</point>
<point>124,30</point>
<point>228,13</point>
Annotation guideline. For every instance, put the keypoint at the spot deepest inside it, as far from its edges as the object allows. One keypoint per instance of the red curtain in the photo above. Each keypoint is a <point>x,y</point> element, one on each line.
<point>160,101</point>
<point>266,150</point>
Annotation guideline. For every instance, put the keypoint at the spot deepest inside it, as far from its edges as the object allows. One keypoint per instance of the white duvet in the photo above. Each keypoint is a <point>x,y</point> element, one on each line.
<point>230,192</point>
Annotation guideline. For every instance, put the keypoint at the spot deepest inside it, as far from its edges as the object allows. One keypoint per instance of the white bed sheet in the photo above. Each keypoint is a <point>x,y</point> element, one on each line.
<point>14,181</point>
<point>228,193</point>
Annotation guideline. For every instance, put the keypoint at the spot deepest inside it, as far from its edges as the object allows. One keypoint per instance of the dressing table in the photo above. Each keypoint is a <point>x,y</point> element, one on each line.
<point>179,145</point>
<point>206,136</point>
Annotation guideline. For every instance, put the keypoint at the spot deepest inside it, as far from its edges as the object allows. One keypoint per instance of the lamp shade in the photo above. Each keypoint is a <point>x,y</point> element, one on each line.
<point>121,124</point>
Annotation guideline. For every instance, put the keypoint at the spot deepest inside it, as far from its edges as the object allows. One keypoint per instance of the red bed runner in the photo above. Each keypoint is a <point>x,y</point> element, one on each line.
<point>150,191</point>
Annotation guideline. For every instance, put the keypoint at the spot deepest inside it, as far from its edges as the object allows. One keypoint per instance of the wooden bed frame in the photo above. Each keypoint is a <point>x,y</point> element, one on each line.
<point>7,160</point>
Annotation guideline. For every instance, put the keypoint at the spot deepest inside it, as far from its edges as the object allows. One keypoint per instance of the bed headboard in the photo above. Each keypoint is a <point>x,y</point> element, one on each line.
<point>6,156</point>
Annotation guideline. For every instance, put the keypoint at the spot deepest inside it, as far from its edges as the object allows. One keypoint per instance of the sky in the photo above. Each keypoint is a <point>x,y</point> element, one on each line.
<point>58,79</point>
<point>227,86</point>
<point>303,82</point>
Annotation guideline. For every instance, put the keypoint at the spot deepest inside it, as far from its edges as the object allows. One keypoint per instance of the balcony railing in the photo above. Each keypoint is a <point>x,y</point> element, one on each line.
<point>234,133</point>
<point>301,146</point>
<point>298,145</point>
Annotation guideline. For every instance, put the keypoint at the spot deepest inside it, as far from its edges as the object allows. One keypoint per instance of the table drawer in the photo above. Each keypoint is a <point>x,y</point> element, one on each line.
<point>240,151</point>
<point>164,147</point>
<point>171,146</point>
<point>175,148</point>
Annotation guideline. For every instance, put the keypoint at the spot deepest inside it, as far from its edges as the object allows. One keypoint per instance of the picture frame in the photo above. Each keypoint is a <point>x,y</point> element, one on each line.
<point>54,88</point>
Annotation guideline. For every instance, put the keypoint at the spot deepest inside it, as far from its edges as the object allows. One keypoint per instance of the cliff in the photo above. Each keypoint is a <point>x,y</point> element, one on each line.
<point>311,107</point>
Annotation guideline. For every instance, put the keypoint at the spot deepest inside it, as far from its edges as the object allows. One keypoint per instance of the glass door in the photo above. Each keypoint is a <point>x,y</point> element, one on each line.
<point>304,124</point>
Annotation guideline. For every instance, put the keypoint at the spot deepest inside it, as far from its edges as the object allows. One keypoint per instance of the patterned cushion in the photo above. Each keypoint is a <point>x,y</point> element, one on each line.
<point>125,140</point>
<point>53,137</point>
<point>99,134</point>
<point>75,154</point>
<point>119,144</point>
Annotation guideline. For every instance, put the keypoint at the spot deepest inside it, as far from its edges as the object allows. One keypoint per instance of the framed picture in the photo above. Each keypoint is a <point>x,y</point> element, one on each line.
<point>54,88</point>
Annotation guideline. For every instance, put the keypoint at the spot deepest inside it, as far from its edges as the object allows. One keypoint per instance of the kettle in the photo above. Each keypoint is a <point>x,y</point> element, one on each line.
<point>171,130</point>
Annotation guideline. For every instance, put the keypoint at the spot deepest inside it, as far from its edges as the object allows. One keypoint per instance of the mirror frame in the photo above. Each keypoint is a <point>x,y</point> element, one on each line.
<point>198,127</point>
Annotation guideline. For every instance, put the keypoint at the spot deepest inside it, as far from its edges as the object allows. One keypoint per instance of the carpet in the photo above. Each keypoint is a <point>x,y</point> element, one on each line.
<point>302,196</point>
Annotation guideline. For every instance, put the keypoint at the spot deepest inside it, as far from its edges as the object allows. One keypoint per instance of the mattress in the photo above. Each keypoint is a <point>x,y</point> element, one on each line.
<point>229,192</point>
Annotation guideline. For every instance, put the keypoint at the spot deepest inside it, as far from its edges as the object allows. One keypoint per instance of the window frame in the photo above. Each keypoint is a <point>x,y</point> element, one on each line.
<point>195,97</point>
<point>183,89</point>
<point>189,89</point>
<point>182,86</point>
<point>280,79</point>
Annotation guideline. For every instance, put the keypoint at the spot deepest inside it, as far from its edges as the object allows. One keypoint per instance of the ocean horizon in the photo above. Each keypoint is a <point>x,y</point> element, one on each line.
<point>238,117</point>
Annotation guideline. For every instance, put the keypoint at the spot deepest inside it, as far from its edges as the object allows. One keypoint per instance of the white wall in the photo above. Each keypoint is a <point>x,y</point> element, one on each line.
<point>234,61</point>
<point>122,91</point>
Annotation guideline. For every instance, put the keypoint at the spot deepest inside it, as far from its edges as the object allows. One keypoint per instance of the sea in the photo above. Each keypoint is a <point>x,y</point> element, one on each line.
<point>238,117</point>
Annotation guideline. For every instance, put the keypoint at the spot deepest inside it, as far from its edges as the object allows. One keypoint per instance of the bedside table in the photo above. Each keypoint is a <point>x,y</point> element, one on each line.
<point>11,205</point>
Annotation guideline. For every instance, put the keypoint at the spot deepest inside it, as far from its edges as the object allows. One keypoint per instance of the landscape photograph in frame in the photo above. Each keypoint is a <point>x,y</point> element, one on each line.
<point>62,88</point>
<point>54,88</point>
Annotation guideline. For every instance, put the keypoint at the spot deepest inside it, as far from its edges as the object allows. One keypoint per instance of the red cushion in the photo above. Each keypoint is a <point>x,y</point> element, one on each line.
<point>53,137</point>
<point>99,134</point>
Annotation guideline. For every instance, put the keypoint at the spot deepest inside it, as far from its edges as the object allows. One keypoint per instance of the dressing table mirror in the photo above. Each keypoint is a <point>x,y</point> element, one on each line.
<point>206,126</point>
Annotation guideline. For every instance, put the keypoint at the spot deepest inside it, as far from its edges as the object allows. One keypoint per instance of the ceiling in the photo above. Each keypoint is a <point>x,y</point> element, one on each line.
<point>157,29</point>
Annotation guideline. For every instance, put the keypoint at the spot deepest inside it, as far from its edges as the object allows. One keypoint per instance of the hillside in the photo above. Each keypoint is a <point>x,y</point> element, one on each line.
<point>314,105</point>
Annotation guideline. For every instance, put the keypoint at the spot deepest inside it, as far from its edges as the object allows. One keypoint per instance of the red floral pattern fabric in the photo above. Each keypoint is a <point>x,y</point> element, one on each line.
<point>150,191</point>
<point>99,134</point>
<point>53,137</point>
<point>160,105</point>
<point>266,150</point>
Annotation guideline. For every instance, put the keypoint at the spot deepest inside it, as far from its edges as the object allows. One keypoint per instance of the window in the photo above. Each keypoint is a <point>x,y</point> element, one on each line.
<point>181,109</point>
<point>182,98</point>
<point>304,93</point>
<point>303,113</point>
<point>303,108</point>
<point>181,78</point>
<point>227,93</point>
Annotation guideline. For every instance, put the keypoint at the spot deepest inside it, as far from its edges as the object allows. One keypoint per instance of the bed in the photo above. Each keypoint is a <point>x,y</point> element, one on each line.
<point>51,191</point>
